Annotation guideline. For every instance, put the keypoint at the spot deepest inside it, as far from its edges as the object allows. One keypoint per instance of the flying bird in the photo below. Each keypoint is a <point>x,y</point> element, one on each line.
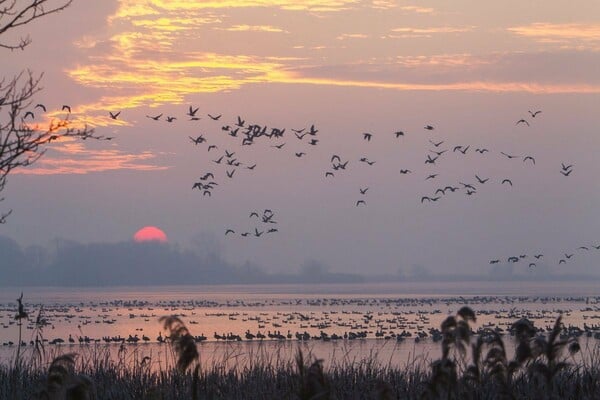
<point>198,140</point>
<point>428,127</point>
<point>522,121</point>
<point>405,171</point>
<point>507,181</point>
<point>300,154</point>
<point>431,176</point>
<point>363,191</point>
<point>329,174</point>
<point>508,155</point>
<point>481,151</point>
<point>39,105</point>
<point>529,158</point>
<point>214,118</point>
<point>398,134</point>
<point>359,202</point>
<point>533,114</point>
<point>212,146</point>
<point>192,111</point>
<point>436,144</point>
<point>29,113</point>
<point>230,174</point>
<point>482,181</point>
<point>367,136</point>
<point>279,146</point>
<point>156,117</point>
<point>566,173</point>
<point>228,231</point>
<point>66,107</point>
<point>240,122</point>
<point>114,115</point>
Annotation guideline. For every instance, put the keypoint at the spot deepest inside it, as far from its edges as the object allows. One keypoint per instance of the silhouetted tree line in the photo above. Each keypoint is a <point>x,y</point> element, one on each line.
<point>131,263</point>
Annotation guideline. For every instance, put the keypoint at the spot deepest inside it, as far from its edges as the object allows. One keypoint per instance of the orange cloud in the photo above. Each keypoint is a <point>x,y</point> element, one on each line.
<point>408,32</point>
<point>254,28</point>
<point>74,158</point>
<point>577,35</point>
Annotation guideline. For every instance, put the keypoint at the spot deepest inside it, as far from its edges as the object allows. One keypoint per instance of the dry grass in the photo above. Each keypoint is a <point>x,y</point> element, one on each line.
<point>470,367</point>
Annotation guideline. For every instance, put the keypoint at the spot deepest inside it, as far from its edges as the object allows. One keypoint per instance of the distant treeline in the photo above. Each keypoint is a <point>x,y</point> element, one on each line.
<point>130,263</point>
<point>70,263</point>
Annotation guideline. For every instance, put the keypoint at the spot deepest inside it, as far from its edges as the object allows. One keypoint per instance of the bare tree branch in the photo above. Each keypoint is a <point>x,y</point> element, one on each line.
<point>16,13</point>
<point>22,144</point>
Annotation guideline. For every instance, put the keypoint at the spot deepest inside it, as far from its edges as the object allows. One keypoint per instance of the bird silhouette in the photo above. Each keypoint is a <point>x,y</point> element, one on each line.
<point>533,114</point>
<point>40,105</point>
<point>398,134</point>
<point>170,119</point>
<point>240,122</point>
<point>279,146</point>
<point>507,181</point>
<point>66,107</point>
<point>482,181</point>
<point>436,144</point>
<point>156,117</point>
<point>228,231</point>
<point>481,151</point>
<point>214,118</point>
<point>367,136</point>
<point>429,127</point>
<point>566,173</point>
<point>198,140</point>
<point>508,155</point>
<point>114,115</point>
<point>329,174</point>
<point>359,202</point>
<point>212,146</point>
<point>431,176</point>
<point>405,171</point>
<point>522,121</point>
<point>230,174</point>
<point>29,113</point>
<point>529,158</point>
<point>363,191</point>
<point>192,111</point>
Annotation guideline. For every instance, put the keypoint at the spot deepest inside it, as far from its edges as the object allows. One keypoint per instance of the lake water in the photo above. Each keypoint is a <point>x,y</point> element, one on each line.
<point>316,311</point>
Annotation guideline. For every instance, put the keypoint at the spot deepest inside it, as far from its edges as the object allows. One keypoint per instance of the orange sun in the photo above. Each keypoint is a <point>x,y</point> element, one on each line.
<point>150,234</point>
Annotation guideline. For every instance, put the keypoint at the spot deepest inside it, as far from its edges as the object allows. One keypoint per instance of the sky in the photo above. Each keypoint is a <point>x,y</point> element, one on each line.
<point>470,69</point>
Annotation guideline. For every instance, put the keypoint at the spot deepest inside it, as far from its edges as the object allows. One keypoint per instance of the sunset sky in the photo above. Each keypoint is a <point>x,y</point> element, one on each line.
<point>471,69</point>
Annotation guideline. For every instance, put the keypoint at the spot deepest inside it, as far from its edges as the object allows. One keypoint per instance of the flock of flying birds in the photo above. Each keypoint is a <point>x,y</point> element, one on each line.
<point>251,133</point>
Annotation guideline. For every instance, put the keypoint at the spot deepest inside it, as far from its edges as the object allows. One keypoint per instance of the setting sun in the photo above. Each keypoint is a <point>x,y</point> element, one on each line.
<point>150,233</point>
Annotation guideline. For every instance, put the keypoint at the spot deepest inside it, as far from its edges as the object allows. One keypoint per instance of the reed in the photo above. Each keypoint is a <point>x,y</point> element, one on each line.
<point>470,367</point>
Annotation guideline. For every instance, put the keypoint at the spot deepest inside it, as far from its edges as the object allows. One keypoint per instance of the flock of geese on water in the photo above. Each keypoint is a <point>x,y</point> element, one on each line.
<point>249,134</point>
<point>324,319</point>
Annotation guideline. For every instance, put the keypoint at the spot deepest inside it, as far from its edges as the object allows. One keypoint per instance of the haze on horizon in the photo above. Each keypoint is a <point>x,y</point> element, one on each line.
<point>470,69</point>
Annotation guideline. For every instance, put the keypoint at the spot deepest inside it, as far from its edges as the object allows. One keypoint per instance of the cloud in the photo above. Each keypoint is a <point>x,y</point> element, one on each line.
<point>253,28</point>
<point>345,36</point>
<point>412,32</point>
<point>418,10</point>
<point>73,158</point>
<point>571,35</point>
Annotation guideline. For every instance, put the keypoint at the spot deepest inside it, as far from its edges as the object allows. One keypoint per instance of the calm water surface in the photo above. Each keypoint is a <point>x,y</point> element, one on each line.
<point>379,310</point>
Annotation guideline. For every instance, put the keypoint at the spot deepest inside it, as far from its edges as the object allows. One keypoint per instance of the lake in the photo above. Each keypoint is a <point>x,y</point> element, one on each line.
<point>330,316</point>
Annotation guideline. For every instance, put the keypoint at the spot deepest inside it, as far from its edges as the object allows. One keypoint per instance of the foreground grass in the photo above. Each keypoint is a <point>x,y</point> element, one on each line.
<point>363,380</point>
<point>470,367</point>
